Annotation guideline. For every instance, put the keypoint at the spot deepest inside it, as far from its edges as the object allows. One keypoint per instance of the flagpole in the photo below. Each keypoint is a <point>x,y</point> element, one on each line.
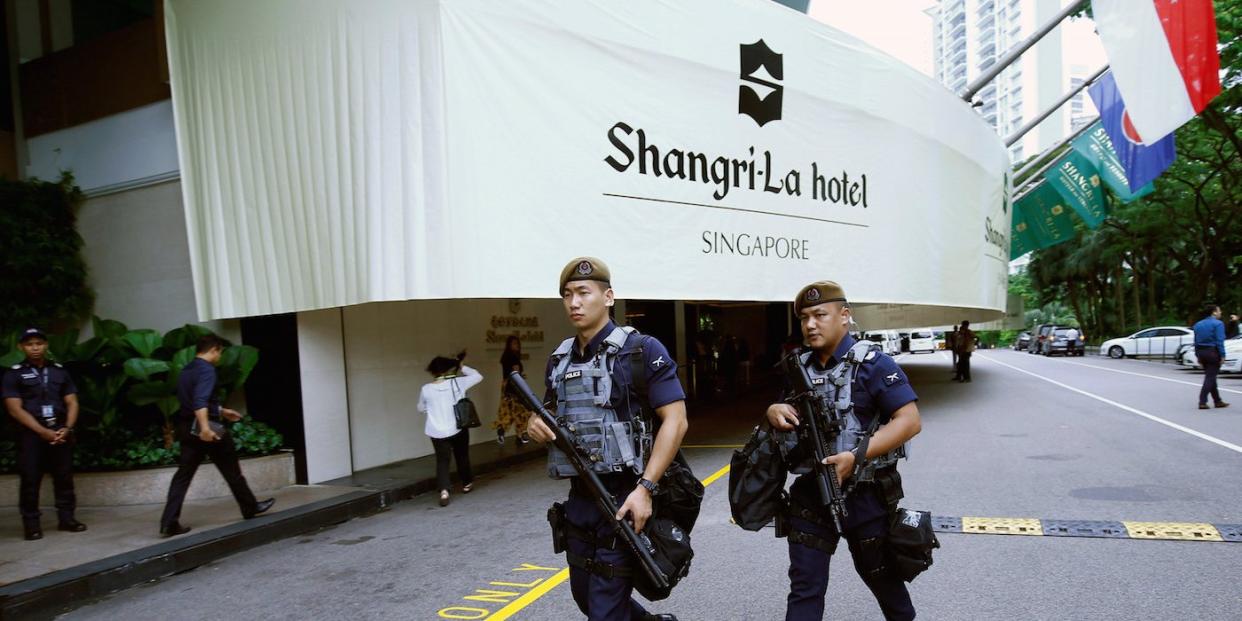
<point>1016,136</point>
<point>1013,54</point>
<point>1081,130</point>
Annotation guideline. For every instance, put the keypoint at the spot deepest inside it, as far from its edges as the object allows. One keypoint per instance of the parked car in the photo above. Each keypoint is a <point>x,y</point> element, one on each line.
<point>1231,364</point>
<point>1162,341</point>
<point>1024,340</point>
<point>939,340</point>
<point>1058,344</point>
<point>1040,337</point>
<point>922,341</point>
<point>888,341</point>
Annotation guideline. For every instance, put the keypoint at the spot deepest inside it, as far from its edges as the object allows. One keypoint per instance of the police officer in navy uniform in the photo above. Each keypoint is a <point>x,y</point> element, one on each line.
<point>592,375</point>
<point>40,395</point>
<point>879,388</point>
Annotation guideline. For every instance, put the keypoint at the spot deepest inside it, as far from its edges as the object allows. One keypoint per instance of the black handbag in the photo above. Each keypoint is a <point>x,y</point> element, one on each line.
<point>464,411</point>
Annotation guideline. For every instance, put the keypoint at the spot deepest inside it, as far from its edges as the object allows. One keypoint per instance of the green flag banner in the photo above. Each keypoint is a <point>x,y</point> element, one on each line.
<point>1097,147</point>
<point>1021,237</point>
<point>1078,183</point>
<point>1047,218</point>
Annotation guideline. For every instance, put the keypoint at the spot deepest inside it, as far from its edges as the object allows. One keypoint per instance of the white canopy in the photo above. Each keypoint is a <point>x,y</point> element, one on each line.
<point>337,152</point>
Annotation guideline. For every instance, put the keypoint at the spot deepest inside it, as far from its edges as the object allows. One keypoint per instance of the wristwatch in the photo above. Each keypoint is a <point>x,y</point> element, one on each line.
<point>650,485</point>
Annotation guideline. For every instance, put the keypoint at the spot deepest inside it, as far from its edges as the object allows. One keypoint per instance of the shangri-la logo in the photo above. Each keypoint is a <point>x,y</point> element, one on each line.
<point>762,110</point>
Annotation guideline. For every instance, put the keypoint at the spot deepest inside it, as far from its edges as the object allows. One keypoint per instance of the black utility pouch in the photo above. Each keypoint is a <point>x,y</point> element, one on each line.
<point>910,544</point>
<point>556,519</point>
<point>889,482</point>
<point>782,517</point>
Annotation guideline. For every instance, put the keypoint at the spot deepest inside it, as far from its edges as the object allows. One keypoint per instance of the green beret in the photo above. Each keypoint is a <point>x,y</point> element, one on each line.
<point>585,268</point>
<point>818,293</point>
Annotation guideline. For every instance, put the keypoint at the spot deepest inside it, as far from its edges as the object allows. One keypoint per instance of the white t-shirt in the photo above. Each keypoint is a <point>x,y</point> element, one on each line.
<point>436,400</point>
<point>1071,335</point>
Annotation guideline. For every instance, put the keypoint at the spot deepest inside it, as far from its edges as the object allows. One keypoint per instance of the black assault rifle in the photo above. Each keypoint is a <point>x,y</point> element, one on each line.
<point>819,429</point>
<point>571,446</point>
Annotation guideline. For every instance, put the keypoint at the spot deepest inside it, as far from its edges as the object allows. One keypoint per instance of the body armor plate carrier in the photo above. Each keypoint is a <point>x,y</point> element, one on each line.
<point>613,442</point>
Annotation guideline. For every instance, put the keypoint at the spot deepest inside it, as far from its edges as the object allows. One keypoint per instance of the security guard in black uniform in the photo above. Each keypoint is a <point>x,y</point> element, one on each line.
<point>589,378</point>
<point>880,389</point>
<point>40,395</point>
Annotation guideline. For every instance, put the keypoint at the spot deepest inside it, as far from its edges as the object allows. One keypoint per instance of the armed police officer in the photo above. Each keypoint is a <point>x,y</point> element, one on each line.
<point>878,405</point>
<point>40,395</point>
<point>606,381</point>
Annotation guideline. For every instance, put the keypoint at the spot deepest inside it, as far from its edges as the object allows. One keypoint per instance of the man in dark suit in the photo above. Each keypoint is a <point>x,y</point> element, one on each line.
<point>202,433</point>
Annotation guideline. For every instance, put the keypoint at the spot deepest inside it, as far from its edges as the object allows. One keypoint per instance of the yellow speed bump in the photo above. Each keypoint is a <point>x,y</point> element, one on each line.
<point>1002,526</point>
<point>1181,531</point>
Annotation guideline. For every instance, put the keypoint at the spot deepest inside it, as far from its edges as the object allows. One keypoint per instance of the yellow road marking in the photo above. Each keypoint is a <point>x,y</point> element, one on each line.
<point>1180,531</point>
<point>530,596</point>
<point>549,584</point>
<point>1002,526</point>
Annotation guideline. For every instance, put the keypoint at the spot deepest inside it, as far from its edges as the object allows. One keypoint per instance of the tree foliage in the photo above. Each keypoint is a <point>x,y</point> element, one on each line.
<point>44,279</point>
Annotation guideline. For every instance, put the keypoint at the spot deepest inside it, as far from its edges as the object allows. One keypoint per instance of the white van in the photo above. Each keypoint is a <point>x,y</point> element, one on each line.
<point>922,341</point>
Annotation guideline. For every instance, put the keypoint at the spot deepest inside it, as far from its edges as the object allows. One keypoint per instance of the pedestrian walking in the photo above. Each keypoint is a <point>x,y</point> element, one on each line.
<point>1210,350</point>
<point>201,429</point>
<point>511,412</point>
<point>593,377</point>
<point>437,400</point>
<point>40,395</point>
<point>882,407</point>
<point>965,347</point>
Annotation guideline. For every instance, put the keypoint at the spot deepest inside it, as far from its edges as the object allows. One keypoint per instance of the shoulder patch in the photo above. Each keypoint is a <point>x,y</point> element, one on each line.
<point>16,366</point>
<point>892,378</point>
<point>58,365</point>
<point>659,362</point>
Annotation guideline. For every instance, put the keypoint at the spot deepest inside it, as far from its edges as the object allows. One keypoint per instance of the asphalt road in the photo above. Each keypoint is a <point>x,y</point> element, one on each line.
<point>1030,437</point>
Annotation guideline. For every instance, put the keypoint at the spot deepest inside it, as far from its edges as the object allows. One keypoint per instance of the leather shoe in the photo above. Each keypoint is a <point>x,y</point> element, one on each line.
<point>660,617</point>
<point>174,529</point>
<point>261,506</point>
<point>33,531</point>
<point>1222,404</point>
<point>71,525</point>
<point>1203,406</point>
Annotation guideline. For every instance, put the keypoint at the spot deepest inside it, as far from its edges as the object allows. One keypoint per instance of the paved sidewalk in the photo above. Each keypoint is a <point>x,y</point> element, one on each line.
<point>122,548</point>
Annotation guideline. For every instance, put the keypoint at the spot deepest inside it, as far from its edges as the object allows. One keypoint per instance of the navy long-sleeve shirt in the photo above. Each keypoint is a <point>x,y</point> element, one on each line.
<point>196,389</point>
<point>1210,332</point>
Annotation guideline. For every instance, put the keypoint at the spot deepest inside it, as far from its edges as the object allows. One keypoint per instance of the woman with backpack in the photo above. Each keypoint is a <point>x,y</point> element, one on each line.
<point>436,400</point>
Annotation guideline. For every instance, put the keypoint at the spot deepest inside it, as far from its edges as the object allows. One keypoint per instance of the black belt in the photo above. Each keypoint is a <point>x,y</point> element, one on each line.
<point>585,536</point>
<point>604,570</point>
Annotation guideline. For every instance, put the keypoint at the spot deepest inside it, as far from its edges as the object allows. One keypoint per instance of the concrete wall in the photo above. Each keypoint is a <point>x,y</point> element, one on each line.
<point>387,347</point>
<point>139,260</point>
<point>325,405</point>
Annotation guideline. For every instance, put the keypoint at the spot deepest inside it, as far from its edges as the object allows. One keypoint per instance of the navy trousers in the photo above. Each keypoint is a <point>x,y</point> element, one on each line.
<point>600,598</point>
<point>34,456</point>
<point>808,572</point>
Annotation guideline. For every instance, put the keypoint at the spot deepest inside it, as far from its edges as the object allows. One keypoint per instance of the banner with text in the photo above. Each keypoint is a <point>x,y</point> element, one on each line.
<point>1097,147</point>
<point>1078,183</point>
<point>1044,211</point>
<point>338,152</point>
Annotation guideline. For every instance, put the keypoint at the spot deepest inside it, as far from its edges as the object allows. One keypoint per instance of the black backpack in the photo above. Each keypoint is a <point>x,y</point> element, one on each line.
<point>757,476</point>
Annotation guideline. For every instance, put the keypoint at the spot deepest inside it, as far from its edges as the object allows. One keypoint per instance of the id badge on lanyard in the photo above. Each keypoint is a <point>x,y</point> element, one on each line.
<point>47,411</point>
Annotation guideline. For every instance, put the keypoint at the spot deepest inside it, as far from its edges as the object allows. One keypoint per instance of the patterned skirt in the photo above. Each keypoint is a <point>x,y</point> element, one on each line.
<point>512,413</point>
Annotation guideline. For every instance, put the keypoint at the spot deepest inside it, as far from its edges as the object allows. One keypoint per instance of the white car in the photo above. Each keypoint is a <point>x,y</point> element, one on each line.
<point>1233,356</point>
<point>923,340</point>
<point>1164,341</point>
<point>888,341</point>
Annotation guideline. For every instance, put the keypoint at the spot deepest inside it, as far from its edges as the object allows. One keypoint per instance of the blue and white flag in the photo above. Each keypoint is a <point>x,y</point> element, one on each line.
<point>1142,163</point>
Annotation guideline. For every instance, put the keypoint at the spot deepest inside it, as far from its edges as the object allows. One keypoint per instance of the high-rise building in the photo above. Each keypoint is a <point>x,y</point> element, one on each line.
<point>969,36</point>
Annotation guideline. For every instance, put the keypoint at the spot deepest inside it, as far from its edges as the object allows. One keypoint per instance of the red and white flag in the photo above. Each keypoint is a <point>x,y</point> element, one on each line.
<point>1163,57</point>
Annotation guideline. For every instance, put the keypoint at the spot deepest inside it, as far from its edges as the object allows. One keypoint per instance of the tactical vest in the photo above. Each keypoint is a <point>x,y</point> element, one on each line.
<point>614,441</point>
<point>837,384</point>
